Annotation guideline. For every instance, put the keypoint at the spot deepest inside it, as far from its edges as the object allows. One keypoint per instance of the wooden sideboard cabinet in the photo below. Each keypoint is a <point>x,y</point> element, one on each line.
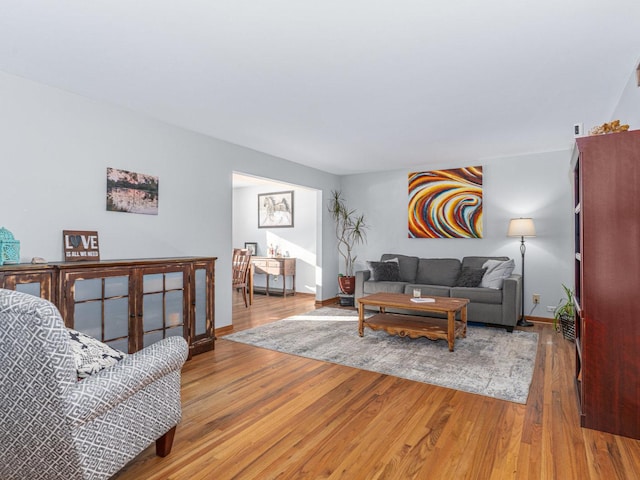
<point>284,266</point>
<point>128,304</point>
<point>35,279</point>
<point>606,171</point>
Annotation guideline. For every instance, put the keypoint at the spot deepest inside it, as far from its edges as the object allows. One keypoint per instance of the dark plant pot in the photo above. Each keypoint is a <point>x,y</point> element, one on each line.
<point>568,325</point>
<point>346,300</point>
<point>347,284</point>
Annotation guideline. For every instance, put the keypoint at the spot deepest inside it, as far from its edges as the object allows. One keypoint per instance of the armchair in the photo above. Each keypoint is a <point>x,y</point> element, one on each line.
<point>53,426</point>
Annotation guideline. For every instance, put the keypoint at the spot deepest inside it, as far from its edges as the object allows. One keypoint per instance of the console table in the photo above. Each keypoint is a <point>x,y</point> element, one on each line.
<point>285,266</point>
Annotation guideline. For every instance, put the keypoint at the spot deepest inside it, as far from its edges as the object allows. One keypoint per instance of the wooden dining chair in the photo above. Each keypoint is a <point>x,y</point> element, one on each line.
<point>241,264</point>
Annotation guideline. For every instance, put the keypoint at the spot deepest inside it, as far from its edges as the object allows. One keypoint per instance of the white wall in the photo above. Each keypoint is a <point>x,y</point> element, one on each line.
<point>533,185</point>
<point>55,148</point>
<point>628,108</point>
<point>300,241</point>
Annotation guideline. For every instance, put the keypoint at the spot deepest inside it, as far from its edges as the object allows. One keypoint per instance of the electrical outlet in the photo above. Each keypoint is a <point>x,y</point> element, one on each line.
<point>536,298</point>
<point>551,308</point>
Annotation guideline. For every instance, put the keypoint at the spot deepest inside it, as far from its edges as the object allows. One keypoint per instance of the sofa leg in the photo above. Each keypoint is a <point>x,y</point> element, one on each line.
<point>509,329</point>
<point>164,443</point>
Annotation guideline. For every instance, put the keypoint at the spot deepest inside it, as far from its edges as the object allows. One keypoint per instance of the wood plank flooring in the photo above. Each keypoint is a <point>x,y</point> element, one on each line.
<point>250,413</point>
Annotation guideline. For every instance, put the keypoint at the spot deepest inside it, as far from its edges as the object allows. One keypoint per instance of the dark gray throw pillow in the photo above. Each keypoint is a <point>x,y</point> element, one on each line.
<point>384,271</point>
<point>470,277</point>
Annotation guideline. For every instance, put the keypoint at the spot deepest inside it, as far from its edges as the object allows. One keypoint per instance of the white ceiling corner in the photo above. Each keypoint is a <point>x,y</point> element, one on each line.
<point>343,86</point>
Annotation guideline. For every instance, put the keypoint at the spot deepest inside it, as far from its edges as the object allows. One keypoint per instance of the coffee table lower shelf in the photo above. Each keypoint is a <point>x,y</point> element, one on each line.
<point>414,326</point>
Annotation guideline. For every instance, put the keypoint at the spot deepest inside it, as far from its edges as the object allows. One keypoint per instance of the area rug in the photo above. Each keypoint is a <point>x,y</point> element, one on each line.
<point>489,361</point>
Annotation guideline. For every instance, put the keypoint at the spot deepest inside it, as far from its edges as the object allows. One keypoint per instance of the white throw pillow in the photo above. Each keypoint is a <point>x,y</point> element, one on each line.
<point>497,271</point>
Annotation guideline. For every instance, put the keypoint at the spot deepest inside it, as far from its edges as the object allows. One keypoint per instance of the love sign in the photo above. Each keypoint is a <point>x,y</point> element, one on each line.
<point>80,245</point>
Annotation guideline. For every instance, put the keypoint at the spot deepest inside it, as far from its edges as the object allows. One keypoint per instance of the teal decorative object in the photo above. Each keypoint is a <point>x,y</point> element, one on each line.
<point>9,247</point>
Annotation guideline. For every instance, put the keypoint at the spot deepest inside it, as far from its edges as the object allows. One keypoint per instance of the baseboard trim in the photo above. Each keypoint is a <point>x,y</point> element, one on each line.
<point>539,319</point>
<point>223,330</point>
<point>328,301</point>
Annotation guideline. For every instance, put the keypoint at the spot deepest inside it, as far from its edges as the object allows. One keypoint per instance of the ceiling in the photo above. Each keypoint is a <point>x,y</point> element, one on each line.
<point>345,86</point>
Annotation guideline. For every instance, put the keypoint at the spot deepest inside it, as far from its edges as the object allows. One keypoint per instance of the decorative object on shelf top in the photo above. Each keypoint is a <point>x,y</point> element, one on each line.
<point>274,251</point>
<point>80,245</point>
<point>611,127</point>
<point>9,247</point>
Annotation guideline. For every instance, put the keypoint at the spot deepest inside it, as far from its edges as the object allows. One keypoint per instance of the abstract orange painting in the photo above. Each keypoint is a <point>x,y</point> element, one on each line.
<point>446,203</point>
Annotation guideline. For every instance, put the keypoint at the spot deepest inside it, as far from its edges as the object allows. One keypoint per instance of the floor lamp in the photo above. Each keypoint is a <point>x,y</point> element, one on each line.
<point>522,227</point>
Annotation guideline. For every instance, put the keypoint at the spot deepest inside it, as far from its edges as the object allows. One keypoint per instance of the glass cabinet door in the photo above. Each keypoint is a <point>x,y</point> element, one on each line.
<point>100,307</point>
<point>200,302</point>
<point>163,301</point>
<point>38,284</point>
<point>202,307</point>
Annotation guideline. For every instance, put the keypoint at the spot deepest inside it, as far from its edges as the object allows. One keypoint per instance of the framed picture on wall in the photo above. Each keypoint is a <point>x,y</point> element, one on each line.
<point>252,247</point>
<point>275,210</point>
<point>131,192</point>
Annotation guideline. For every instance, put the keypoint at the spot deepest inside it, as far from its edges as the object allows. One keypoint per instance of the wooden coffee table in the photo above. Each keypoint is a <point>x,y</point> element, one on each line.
<point>415,326</point>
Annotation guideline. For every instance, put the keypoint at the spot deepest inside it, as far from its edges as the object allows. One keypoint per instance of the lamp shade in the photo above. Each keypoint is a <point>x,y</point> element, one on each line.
<point>521,227</point>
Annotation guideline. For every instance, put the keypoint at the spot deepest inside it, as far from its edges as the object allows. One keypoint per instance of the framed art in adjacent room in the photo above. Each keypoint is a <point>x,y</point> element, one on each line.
<point>275,210</point>
<point>252,247</point>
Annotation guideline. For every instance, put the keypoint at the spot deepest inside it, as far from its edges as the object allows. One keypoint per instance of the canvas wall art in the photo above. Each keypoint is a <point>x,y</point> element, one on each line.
<point>131,192</point>
<point>446,203</point>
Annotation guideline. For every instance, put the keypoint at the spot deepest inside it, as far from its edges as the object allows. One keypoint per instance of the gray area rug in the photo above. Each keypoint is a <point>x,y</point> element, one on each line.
<point>490,361</point>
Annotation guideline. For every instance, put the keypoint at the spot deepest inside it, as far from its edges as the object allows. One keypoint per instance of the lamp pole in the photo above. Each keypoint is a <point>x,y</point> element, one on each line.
<point>522,227</point>
<point>523,322</point>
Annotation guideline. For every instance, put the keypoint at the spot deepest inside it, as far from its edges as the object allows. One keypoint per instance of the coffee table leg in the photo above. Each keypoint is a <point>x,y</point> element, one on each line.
<point>451,329</point>
<point>463,317</point>
<point>360,319</point>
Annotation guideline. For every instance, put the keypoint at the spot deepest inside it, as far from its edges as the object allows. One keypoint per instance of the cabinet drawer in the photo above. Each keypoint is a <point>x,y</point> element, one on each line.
<point>267,266</point>
<point>259,263</point>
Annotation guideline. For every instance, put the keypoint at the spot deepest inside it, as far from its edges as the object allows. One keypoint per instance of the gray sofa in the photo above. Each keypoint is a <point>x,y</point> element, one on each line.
<point>439,276</point>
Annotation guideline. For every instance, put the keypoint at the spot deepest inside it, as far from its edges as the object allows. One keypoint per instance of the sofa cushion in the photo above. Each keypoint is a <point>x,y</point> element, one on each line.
<point>408,266</point>
<point>478,262</point>
<point>478,294</point>
<point>470,277</point>
<point>496,272</point>
<point>438,271</point>
<point>387,271</point>
<point>383,287</point>
<point>91,355</point>
<point>428,290</point>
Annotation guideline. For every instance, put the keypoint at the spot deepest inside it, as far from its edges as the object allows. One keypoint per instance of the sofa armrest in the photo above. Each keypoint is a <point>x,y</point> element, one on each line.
<point>106,389</point>
<point>511,299</point>
<point>361,277</point>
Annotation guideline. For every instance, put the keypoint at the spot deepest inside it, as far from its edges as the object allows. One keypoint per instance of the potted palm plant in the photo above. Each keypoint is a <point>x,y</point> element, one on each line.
<point>350,231</point>
<point>564,314</point>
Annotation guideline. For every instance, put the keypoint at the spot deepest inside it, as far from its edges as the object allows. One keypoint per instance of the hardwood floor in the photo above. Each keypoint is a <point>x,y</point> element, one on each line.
<point>250,413</point>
